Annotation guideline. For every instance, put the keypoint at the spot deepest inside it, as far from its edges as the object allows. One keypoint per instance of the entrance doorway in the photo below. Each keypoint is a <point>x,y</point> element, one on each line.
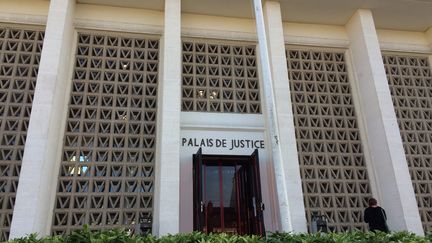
<point>227,194</point>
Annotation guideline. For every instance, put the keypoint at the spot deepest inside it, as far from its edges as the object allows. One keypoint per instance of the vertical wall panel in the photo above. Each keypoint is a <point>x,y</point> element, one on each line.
<point>410,82</point>
<point>332,165</point>
<point>107,167</point>
<point>20,50</point>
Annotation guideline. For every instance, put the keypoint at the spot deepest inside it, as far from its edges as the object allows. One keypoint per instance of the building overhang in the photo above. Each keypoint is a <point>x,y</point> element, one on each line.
<point>411,15</point>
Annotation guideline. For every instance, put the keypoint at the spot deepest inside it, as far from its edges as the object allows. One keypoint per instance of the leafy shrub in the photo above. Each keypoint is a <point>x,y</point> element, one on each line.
<point>347,237</point>
<point>121,236</point>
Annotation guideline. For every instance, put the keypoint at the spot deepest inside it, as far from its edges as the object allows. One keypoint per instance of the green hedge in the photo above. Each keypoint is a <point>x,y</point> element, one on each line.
<point>121,236</point>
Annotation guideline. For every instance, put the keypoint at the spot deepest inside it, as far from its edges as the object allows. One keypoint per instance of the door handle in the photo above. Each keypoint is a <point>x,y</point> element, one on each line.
<point>262,206</point>
<point>202,206</point>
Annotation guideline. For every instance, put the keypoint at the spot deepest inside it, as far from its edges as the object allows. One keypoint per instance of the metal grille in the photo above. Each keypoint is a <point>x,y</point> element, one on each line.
<point>220,77</point>
<point>410,82</point>
<point>20,50</point>
<point>332,165</point>
<point>107,168</point>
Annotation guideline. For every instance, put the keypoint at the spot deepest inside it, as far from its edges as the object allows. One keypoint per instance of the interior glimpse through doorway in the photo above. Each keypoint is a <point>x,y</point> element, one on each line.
<point>227,194</point>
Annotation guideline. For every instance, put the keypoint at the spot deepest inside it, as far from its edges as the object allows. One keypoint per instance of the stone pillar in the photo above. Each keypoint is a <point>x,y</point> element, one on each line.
<point>390,169</point>
<point>167,185</point>
<point>34,204</point>
<point>291,194</point>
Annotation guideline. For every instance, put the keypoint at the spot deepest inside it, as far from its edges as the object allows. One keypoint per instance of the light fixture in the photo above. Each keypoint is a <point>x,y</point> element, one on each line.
<point>125,66</point>
<point>213,95</point>
<point>200,93</point>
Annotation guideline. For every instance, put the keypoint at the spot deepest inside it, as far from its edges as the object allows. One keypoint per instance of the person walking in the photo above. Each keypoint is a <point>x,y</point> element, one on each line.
<point>375,216</point>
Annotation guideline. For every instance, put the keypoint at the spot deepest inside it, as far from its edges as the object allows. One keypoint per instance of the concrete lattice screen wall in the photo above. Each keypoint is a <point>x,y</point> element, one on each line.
<point>332,164</point>
<point>20,50</point>
<point>106,175</point>
<point>410,82</point>
<point>220,76</point>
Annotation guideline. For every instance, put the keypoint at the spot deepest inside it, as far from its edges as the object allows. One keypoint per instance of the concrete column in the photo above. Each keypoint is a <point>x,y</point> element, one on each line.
<point>288,179</point>
<point>390,169</point>
<point>34,204</point>
<point>167,185</point>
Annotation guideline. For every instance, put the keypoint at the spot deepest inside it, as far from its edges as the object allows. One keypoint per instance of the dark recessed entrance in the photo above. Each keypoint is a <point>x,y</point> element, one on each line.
<point>227,194</point>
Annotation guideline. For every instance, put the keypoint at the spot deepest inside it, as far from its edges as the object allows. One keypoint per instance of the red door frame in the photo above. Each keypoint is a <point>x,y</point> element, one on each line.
<point>248,189</point>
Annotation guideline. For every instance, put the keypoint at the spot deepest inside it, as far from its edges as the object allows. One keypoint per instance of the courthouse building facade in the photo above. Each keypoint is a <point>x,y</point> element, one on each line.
<point>240,116</point>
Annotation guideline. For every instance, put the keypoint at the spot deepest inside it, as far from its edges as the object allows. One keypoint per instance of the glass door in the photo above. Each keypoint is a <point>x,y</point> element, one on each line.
<point>227,194</point>
<point>197,191</point>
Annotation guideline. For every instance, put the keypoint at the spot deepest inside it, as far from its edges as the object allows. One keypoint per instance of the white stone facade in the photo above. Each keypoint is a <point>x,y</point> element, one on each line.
<point>361,36</point>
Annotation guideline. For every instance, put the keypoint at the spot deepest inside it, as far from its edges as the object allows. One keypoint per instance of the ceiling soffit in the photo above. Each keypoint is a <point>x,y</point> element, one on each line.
<point>414,15</point>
